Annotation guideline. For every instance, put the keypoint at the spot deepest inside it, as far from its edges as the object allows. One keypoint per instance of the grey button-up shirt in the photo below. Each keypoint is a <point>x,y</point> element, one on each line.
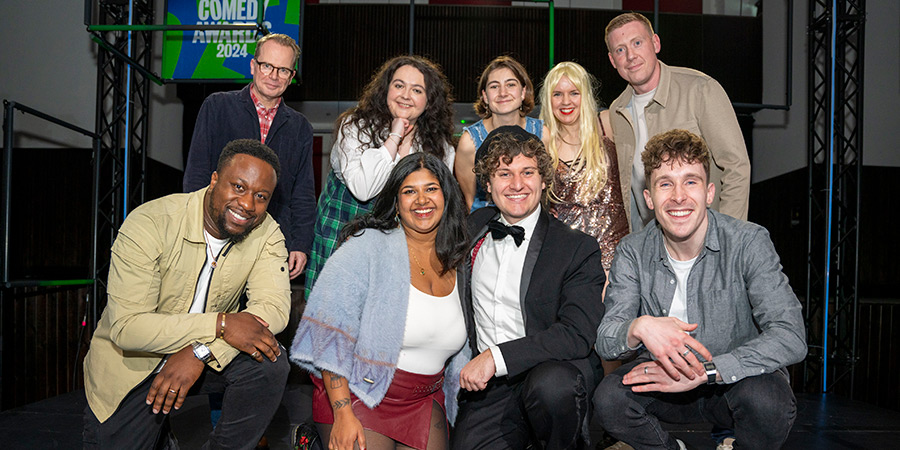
<point>748,316</point>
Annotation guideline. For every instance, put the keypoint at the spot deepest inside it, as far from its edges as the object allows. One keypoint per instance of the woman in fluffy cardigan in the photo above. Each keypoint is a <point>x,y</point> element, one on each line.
<point>383,333</point>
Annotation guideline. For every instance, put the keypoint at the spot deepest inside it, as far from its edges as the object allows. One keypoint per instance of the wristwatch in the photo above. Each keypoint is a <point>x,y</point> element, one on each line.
<point>202,353</point>
<point>711,372</point>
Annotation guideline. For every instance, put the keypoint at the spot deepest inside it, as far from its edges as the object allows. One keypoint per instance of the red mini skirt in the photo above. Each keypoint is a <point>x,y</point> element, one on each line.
<point>404,413</point>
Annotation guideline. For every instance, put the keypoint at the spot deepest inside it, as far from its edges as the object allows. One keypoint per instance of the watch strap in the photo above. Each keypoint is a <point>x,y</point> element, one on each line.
<point>711,372</point>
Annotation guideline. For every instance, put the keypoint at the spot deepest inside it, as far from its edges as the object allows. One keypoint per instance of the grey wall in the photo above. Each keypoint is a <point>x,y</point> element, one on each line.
<point>780,138</point>
<point>50,64</point>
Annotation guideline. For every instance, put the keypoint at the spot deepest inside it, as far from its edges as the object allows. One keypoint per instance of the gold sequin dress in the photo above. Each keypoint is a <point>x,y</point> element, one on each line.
<point>603,216</point>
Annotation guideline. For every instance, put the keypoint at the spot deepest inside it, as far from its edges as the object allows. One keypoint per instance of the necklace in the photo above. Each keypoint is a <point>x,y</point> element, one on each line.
<point>567,142</point>
<point>209,253</point>
<point>421,269</point>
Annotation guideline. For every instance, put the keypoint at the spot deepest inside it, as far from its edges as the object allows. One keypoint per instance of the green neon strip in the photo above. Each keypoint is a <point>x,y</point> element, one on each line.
<point>552,32</point>
<point>64,282</point>
<point>167,27</point>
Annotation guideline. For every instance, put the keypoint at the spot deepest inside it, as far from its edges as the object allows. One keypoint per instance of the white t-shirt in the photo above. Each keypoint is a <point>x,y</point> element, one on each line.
<point>213,249</point>
<point>682,269</point>
<point>638,103</point>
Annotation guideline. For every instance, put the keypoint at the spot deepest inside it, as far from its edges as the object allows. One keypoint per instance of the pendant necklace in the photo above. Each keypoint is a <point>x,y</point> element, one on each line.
<point>421,269</point>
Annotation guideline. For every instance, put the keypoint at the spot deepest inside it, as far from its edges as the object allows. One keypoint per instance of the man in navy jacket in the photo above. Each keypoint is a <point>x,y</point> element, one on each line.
<point>258,112</point>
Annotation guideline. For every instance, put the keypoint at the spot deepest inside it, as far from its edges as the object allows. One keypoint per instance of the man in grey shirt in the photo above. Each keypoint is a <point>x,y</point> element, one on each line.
<point>701,298</point>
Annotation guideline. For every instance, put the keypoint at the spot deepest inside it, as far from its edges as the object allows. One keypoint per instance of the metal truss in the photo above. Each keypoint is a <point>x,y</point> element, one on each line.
<point>836,39</point>
<point>122,122</point>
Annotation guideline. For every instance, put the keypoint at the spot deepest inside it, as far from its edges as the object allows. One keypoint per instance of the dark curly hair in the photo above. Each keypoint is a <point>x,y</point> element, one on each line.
<point>373,118</point>
<point>674,145</point>
<point>451,242</point>
<point>505,62</point>
<point>506,146</point>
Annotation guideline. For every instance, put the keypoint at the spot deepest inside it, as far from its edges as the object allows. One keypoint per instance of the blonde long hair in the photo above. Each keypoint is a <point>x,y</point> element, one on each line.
<point>591,167</point>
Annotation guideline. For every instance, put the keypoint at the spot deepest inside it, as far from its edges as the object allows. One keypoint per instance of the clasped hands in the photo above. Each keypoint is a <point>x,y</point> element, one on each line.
<point>676,367</point>
<point>243,331</point>
<point>477,372</point>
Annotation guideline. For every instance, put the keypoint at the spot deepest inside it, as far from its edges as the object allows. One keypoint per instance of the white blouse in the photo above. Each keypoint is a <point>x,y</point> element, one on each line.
<point>363,169</point>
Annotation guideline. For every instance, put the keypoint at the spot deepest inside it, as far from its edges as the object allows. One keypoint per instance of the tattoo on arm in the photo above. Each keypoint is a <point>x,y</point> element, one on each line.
<point>338,404</point>
<point>336,381</point>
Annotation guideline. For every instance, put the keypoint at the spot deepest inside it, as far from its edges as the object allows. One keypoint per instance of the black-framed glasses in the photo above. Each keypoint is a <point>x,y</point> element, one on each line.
<point>266,69</point>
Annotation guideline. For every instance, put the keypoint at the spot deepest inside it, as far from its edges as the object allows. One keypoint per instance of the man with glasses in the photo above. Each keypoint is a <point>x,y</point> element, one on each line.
<point>258,112</point>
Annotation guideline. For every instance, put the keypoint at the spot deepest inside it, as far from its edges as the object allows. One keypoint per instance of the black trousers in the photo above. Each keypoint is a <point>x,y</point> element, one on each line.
<point>760,410</point>
<point>547,406</point>
<point>252,390</point>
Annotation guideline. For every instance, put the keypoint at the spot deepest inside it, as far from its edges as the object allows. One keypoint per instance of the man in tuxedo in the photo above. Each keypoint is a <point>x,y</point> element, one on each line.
<point>533,301</point>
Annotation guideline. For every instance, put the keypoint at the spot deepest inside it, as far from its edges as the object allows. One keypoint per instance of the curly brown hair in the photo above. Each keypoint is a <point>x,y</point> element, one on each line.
<point>506,146</point>
<point>674,145</point>
<point>505,62</point>
<point>434,128</point>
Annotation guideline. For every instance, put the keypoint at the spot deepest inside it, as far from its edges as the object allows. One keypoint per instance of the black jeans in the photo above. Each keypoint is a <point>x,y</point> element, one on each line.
<point>252,390</point>
<point>761,410</point>
<point>548,404</point>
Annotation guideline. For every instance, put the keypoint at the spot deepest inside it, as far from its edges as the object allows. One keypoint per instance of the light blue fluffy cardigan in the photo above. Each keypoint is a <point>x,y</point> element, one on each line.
<point>355,318</point>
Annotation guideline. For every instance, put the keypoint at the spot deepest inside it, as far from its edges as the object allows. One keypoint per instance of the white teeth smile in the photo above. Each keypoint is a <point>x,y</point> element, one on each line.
<point>516,196</point>
<point>566,110</point>
<point>423,211</point>
<point>237,216</point>
<point>679,213</point>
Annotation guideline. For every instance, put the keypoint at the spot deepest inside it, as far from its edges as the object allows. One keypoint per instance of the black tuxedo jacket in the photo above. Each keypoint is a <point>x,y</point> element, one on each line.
<point>561,293</point>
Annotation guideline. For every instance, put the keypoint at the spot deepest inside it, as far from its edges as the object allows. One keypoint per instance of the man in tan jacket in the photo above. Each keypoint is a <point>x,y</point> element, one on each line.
<point>171,326</point>
<point>660,98</point>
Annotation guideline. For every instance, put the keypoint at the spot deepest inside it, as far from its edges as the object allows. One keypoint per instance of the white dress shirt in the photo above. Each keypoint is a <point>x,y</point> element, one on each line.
<point>496,279</point>
<point>365,169</point>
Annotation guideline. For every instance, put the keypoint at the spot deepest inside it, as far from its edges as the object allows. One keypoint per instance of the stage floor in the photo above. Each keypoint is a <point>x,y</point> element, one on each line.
<point>823,422</point>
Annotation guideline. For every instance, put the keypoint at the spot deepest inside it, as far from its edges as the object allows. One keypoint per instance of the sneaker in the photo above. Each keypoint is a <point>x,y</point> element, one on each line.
<point>305,437</point>
<point>726,444</point>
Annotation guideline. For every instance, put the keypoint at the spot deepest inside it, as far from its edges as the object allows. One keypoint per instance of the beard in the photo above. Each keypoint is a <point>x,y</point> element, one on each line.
<point>236,238</point>
<point>220,225</point>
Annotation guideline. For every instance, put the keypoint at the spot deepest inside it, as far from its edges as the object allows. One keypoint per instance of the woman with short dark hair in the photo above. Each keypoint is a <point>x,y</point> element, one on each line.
<point>506,96</point>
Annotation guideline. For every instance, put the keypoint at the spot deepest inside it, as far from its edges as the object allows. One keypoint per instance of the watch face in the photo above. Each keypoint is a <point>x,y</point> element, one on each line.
<point>201,352</point>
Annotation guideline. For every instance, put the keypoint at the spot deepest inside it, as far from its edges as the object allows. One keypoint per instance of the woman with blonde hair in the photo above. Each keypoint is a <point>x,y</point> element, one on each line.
<point>585,191</point>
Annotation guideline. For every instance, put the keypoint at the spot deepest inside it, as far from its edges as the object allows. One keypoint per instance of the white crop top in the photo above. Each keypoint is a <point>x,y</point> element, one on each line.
<point>435,331</point>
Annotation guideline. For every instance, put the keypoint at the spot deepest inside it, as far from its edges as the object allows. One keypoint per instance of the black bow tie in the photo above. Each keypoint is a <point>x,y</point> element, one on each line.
<point>500,231</point>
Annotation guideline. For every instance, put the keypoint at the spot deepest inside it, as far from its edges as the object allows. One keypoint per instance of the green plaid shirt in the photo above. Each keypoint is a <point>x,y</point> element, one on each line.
<point>337,206</point>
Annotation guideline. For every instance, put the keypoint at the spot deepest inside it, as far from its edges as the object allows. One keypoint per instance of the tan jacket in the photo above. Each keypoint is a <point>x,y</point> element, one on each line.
<point>690,100</point>
<point>153,271</point>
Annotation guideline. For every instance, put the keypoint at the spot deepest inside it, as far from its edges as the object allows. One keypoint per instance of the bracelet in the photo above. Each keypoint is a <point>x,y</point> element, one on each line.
<point>399,137</point>
<point>221,325</point>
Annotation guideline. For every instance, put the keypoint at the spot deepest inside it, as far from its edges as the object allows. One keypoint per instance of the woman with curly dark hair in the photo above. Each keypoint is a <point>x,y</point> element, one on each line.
<point>405,108</point>
<point>383,333</point>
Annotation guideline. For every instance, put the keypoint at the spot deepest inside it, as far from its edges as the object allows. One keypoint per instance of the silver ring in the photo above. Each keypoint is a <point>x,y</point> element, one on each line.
<point>254,354</point>
<point>173,391</point>
<point>685,353</point>
<point>645,370</point>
